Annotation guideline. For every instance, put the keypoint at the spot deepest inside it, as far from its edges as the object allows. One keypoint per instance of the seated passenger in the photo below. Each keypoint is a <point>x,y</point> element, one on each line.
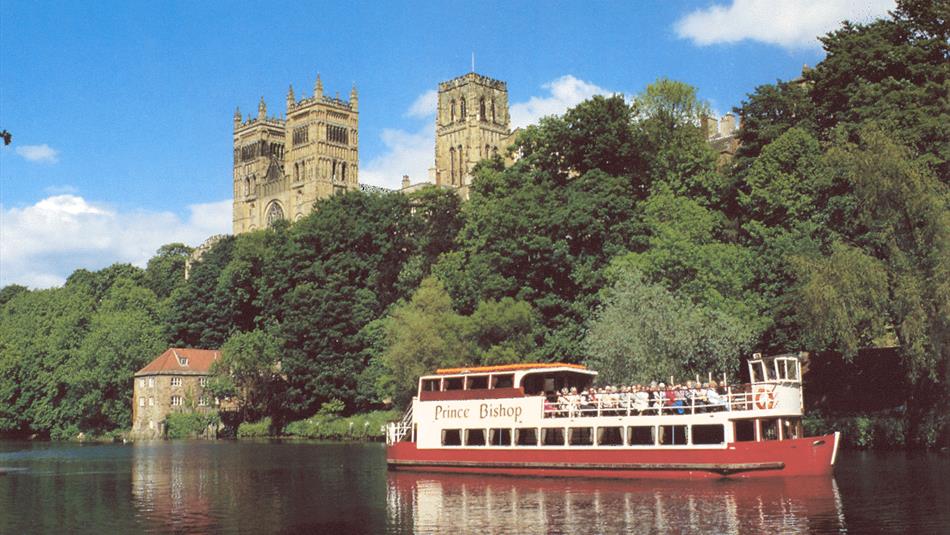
<point>641,399</point>
<point>715,401</point>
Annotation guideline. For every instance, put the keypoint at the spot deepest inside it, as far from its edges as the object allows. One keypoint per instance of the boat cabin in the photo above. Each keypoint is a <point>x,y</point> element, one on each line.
<point>507,381</point>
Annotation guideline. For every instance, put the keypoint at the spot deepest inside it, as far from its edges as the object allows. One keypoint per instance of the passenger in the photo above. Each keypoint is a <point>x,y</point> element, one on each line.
<point>574,401</point>
<point>679,399</point>
<point>641,401</point>
<point>659,397</point>
<point>713,398</point>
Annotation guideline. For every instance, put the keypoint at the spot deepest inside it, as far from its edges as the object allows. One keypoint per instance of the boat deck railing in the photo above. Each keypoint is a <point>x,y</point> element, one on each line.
<point>397,431</point>
<point>746,398</point>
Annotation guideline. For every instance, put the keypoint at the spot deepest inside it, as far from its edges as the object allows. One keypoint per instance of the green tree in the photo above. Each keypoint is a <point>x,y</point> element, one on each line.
<point>249,371</point>
<point>125,333</point>
<point>642,332</point>
<point>770,111</point>
<point>894,72</point>
<point>166,270</point>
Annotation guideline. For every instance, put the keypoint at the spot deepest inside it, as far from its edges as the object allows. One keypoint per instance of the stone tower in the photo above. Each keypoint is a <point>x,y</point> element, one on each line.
<point>471,124</point>
<point>282,166</point>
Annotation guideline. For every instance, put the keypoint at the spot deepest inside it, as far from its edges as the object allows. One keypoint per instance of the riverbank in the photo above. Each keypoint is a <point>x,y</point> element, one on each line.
<point>365,426</point>
<point>884,430</point>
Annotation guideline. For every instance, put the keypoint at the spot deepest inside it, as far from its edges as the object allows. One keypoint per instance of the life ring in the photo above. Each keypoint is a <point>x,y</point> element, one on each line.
<point>765,399</point>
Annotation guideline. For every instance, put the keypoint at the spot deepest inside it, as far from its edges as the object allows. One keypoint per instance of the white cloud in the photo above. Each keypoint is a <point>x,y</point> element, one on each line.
<point>40,245</point>
<point>787,23</point>
<point>565,92</point>
<point>424,106</point>
<point>406,154</point>
<point>413,153</point>
<point>38,153</point>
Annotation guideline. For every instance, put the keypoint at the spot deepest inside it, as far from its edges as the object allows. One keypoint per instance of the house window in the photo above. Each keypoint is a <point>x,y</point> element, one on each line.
<point>142,383</point>
<point>183,361</point>
<point>203,381</point>
<point>176,381</point>
<point>141,402</point>
<point>202,401</point>
<point>151,382</point>
<point>176,401</point>
<point>151,402</point>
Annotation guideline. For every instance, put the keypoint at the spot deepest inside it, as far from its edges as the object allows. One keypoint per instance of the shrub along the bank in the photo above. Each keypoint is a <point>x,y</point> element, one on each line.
<point>190,424</point>
<point>260,428</point>
<point>880,430</point>
<point>366,426</point>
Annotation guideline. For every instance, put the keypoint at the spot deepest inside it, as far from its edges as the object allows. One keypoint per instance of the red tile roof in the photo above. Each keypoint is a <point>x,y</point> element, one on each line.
<point>180,360</point>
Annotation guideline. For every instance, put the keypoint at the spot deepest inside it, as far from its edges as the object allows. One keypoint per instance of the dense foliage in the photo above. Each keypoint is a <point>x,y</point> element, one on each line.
<point>616,237</point>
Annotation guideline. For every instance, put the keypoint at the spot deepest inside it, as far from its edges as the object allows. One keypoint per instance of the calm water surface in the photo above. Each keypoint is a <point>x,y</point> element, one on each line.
<point>333,488</point>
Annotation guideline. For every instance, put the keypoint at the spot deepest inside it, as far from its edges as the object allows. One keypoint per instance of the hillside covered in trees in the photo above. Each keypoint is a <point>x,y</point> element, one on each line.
<point>615,239</point>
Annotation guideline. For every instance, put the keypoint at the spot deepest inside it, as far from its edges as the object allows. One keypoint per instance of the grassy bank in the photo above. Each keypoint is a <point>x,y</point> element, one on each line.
<point>366,426</point>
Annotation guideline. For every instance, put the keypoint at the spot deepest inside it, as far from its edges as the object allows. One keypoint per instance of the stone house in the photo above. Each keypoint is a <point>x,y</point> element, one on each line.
<point>175,381</point>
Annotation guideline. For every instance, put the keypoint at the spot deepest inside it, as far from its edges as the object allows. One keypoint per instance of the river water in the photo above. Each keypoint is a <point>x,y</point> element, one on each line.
<point>335,488</point>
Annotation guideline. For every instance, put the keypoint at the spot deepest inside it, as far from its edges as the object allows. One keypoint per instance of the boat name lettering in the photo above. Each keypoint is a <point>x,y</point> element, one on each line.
<point>485,410</point>
<point>450,413</point>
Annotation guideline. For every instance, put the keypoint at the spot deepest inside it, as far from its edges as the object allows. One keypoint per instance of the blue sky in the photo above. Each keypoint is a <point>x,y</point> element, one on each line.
<point>121,111</point>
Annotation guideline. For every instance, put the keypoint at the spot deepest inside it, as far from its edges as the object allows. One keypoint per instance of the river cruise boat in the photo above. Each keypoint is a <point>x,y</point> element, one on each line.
<point>532,419</point>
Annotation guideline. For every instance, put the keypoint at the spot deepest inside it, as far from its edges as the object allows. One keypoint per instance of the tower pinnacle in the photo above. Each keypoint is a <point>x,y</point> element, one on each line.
<point>291,101</point>
<point>262,109</point>
<point>318,88</point>
<point>354,98</point>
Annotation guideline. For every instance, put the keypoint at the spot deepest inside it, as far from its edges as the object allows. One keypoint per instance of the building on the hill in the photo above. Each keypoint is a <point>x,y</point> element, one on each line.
<point>175,381</point>
<point>282,166</point>
<point>471,124</point>
<point>722,135</point>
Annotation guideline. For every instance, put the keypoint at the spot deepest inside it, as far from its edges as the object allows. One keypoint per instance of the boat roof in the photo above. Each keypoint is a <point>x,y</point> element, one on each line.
<point>512,368</point>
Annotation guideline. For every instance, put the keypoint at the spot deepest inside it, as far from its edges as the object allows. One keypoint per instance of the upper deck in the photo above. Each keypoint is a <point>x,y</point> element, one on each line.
<point>505,381</point>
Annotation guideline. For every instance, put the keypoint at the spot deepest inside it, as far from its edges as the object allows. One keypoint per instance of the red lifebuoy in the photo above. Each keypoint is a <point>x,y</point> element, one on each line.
<point>765,399</point>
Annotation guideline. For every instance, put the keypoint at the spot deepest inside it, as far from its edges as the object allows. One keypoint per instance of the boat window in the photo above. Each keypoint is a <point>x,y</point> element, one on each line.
<point>526,436</point>
<point>709,434</point>
<point>451,437</point>
<point>610,436</point>
<point>745,430</point>
<point>552,436</point>
<point>757,371</point>
<point>673,435</point>
<point>478,382</point>
<point>430,385</point>
<point>452,383</point>
<point>642,435</point>
<point>792,428</point>
<point>769,428</point>
<point>581,436</point>
<point>474,437</point>
<point>506,380</point>
<point>499,437</point>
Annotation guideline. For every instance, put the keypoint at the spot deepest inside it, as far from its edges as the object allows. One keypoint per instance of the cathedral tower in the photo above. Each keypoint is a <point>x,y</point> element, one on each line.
<point>283,166</point>
<point>471,124</point>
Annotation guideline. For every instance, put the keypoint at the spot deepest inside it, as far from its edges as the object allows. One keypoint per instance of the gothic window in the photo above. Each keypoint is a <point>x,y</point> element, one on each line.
<point>247,186</point>
<point>453,111</point>
<point>274,213</point>
<point>303,170</point>
<point>296,171</point>
<point>333,171</point>
<point>481,109</point>
<point>343,172</point>
<point>337,134</point>
<point>493,110</point>
<point>462,108</point>
<point>301,135</point>
<point>452,168</point>
<point>487,151</point>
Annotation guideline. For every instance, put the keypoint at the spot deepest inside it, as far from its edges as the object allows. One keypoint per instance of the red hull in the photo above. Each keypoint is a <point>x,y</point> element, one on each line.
<point>801,457</point>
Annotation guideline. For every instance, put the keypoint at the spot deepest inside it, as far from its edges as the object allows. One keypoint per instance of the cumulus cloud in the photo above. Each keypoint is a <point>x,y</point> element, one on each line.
<point>38,153</point>
<point>424,106</point>
<point>413,153</point>
<point>41,244</point>
<point>563,93</point>
<point>406,153</point>
<point>789,24</point>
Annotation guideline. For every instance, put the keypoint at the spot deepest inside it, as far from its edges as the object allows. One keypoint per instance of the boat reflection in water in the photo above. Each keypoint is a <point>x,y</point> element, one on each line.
<point>442,503</point>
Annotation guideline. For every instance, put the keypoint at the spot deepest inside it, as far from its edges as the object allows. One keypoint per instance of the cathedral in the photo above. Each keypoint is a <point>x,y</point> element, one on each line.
<point>283,165</point>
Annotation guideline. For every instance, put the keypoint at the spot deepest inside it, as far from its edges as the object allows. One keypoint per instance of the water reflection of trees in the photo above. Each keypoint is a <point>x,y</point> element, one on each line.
<point>429,503</point>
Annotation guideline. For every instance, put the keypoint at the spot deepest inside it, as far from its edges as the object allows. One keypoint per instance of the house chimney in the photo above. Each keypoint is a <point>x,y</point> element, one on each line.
<point>405,181</point>
<point>709,126</point>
